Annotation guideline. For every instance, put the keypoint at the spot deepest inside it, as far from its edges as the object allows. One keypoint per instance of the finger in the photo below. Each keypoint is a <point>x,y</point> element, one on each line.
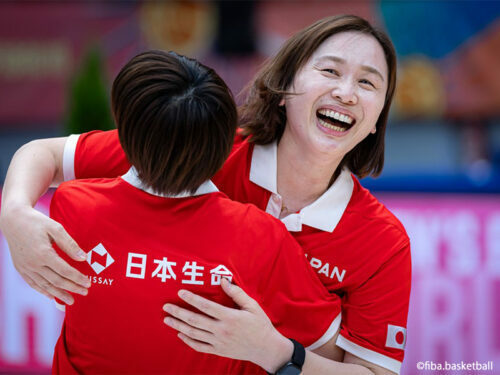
<point>61,282</point>
<point>63,269</point>
<point>191,332</point>
<point>206,306</point>
<point>50,289</point>
<point>238,295</point>
<point>196,345</point>
<point>66,243</point>
<point>193,319</point>
<point>35,286</point>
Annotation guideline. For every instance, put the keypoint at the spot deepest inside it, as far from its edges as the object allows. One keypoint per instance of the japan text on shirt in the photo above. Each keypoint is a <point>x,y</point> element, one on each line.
<point>324,268</point>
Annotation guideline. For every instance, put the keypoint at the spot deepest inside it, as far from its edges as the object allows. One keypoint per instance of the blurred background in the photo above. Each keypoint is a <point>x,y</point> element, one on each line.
<point>442,173</point>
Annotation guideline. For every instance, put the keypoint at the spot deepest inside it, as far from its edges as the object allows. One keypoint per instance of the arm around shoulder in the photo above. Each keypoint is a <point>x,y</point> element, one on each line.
<point>33,169</point>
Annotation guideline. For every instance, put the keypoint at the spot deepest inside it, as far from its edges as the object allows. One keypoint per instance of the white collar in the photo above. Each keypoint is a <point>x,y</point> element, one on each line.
<point>133,179</point>
<point>324,213</point>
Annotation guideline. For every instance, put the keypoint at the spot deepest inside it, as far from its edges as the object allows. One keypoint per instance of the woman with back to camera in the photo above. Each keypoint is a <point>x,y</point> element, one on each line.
<point>316,113</point>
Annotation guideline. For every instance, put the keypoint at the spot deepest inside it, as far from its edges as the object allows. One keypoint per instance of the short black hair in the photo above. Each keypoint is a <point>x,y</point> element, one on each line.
<point>176,120</point>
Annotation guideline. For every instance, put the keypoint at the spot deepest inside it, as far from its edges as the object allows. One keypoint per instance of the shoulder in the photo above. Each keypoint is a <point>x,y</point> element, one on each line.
<point>87,186</point>
<point>248,220</point>
<point>234,173</point>
<point>241,147</point>
<point>240,142</point>
<point>379,220</point>
<point>83,195</point>
<point>109,136</point>
<point>80,206</point>
<point>236,211</point>
<point>97,141</point>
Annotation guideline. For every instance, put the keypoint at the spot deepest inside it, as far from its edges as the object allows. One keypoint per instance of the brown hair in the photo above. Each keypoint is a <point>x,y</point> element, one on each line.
<point>176,120</point>
<point>264,120</point>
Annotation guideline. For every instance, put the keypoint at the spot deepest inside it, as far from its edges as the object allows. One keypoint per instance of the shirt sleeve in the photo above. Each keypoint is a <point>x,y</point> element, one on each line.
<point>374,316</point>
<point>94,154</point>
<point>295,300</point>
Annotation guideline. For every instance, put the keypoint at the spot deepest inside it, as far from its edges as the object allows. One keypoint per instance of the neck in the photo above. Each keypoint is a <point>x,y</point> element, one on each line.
<point>303,176</point>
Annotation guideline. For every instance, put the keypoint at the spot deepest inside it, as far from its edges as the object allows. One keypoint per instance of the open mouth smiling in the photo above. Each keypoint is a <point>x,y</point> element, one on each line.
<point>335,120</point>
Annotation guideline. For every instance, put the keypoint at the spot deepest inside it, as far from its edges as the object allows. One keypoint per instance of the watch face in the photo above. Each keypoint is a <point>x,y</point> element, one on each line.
<point>289,369</point>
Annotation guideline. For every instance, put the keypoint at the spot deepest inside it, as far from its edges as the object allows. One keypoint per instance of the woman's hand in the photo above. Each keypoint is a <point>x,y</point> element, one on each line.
<point>34,168</point>
<point>29,234</point>
<point>245,334</point>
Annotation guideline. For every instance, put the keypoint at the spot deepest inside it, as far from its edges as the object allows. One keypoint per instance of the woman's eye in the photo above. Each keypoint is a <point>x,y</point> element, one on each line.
<point>331,71</point>
<point>366,82</point>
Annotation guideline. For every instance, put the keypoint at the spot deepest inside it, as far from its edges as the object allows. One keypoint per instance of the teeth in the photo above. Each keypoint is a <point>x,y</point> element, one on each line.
<point>333,127</point>
<point>336,116</point>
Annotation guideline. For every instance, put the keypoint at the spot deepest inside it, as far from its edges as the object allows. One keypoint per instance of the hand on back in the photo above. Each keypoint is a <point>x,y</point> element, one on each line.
<point>30,234</point>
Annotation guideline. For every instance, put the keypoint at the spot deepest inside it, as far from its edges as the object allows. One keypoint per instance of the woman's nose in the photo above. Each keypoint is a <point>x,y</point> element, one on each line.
<point>344,91</point>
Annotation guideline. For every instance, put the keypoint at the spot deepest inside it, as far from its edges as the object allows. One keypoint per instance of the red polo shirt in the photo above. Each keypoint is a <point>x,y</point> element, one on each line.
<point>359,250</point>
<point>143,247</point>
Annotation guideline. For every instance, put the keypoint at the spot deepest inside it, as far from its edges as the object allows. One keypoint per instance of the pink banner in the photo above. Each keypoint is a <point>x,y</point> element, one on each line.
<point>29,322</point>
<point>454,305</point>
<point>455,296</point>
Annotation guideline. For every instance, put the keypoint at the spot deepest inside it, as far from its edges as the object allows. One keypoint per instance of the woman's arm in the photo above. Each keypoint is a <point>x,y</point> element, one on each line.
<point>33,169</point>
<point>247,334</point>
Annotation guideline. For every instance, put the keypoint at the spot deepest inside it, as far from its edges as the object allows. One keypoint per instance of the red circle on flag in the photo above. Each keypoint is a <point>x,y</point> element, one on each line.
<point>400,338</point>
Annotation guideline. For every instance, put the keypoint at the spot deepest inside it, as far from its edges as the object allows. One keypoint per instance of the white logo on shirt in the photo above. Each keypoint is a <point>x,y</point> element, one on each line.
<point>218,273</point>
<point>99,259</point>
<point>135,269</point>
<point>396,337</point>
<point>166,269</point>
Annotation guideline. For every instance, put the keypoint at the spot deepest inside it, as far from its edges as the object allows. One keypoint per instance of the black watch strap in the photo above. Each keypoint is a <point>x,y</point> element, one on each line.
<point>299,354</point>
<point>294,366</point>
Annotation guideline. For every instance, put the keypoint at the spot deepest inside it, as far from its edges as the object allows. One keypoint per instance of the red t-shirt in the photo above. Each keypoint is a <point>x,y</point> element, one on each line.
<point>144,247</point>
<point>359,250</point>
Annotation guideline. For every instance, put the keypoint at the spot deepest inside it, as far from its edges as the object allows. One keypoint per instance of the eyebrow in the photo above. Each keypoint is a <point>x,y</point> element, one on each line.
<point>367,68</point>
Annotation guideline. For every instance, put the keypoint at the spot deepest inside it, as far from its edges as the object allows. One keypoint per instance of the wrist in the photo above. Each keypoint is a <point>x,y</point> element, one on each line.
<point>14,207</point>
<point>281,350</point>
<point>9,212</point>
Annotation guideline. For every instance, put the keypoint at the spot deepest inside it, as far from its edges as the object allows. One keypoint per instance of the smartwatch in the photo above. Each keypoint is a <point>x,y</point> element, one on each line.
<point>294,366</point>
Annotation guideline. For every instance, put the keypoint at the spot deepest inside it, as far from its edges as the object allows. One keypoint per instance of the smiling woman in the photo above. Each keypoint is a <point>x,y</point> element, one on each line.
<point>315,113</point>
<point>315,117</point>
<point>366,78</point>
<point>334,81</point>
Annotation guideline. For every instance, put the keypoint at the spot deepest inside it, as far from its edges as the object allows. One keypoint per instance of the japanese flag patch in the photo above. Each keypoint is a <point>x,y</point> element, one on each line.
<point>396,337</point>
